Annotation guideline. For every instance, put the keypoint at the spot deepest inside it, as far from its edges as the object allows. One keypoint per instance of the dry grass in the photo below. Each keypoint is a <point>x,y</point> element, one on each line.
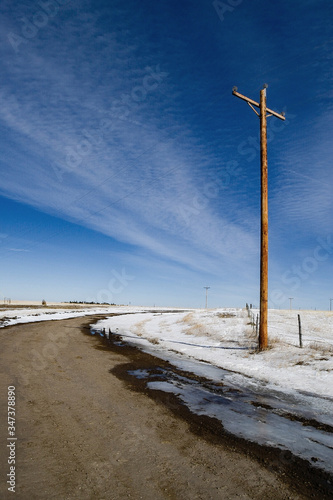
<point>321,347</point>
<point>225,315</point>
<point>154,341</point>
<point>198,330</point>
<point>193,328</point>
<point>140,328</point>
<point>188,319</point>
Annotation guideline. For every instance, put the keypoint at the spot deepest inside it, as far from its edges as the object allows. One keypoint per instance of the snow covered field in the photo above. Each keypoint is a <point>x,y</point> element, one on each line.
<point>12,316</point>
<point>282,397</point>
<point>224,338</point>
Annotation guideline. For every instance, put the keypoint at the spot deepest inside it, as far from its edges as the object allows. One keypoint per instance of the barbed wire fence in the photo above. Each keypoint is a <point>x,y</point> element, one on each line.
<point>296,328</point>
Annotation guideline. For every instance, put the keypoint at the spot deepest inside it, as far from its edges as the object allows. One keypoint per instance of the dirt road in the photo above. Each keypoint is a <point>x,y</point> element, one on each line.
<point>84,433</point>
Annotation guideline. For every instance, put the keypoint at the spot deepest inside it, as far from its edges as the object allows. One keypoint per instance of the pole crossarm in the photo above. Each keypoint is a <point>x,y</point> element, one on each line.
<point>257,105</point>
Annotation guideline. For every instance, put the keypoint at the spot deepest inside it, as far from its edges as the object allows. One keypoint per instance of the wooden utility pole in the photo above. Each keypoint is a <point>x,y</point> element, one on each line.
<point>263,336</point>
<point>263,114</point>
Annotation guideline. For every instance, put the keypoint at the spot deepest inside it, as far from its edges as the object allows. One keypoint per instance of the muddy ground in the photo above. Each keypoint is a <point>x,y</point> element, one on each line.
<point>87,429</point>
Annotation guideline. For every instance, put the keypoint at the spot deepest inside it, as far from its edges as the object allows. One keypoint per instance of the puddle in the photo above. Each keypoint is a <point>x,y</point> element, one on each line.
<point>245,408</point>
<point>266,418</point>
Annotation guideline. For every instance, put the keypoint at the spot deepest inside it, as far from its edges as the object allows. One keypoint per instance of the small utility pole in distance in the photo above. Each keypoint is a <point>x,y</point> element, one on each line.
<point>290,299</point>
<point>331,304</point>
<point>207,288</point>
<point>263,114</point>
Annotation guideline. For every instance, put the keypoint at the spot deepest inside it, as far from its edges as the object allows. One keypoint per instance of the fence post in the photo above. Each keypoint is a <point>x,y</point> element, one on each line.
<point>257,325</point>
<point>300,330</point>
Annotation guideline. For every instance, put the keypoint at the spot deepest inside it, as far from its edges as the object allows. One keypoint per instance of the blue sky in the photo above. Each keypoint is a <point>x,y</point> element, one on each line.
<point>129,172</point>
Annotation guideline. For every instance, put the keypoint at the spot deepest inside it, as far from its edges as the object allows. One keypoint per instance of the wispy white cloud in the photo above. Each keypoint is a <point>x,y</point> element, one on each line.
<point>18,250</point>
<point>305,190</point>
<point>128,178</point>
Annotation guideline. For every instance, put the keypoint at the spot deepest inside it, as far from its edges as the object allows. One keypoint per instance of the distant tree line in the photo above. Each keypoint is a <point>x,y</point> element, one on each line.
<point>92,303</point>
